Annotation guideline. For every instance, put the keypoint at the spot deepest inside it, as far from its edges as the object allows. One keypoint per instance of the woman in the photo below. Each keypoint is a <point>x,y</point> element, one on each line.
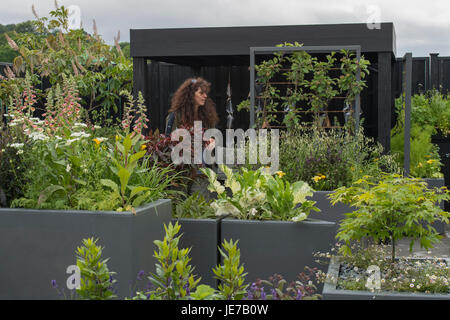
<point>191,103</point>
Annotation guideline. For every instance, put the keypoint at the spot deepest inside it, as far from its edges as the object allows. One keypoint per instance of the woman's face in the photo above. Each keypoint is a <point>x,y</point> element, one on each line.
<point>200,97</point>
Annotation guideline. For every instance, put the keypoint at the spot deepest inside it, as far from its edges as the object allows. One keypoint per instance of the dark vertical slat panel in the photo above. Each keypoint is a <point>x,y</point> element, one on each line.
<point>444,71</point>
<point>434,70</point>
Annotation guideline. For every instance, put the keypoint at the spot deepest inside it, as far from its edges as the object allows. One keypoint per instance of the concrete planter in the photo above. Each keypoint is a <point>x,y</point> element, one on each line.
<point>443,142</point>
<point>329,212</point>
<point>203,237</point>
<point>37,246</point>
<point>330,291</point>
<point>282,247</point>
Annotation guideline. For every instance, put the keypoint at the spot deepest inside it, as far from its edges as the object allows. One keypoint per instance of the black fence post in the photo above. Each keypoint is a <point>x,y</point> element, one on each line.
<point>385,99</point>
<point>406,97</point>
<point>434,71</point>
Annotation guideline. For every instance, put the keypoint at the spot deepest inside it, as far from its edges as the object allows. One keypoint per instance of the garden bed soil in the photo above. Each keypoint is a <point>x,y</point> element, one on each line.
<point>331,291</point>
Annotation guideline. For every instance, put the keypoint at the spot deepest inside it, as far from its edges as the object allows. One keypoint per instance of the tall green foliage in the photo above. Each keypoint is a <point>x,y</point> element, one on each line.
<point>54,51</point>
<point>428,116</point>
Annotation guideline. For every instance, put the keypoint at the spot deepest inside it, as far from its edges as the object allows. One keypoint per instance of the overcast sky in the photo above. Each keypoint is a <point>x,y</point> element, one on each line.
<point>422,27</point>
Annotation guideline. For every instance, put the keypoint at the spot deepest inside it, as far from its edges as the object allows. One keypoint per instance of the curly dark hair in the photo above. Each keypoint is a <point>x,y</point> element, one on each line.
<point>183,104</point>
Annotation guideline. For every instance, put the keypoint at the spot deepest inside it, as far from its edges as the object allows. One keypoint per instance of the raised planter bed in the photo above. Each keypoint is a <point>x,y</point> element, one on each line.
<point>282,247</point>
<point>437,183</point>
<point>203,237</point>
<point>331,292</point>
<point>329,212</point>
<point>37,246</point>
<point>443,142</point>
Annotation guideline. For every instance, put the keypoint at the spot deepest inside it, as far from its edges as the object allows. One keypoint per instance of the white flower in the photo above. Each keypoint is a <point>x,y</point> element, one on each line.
<point>69,142</point>
<point>68,167</point>
<point>79,124</point>
<point>16,145</point>
<point>413,280</point>
<point>411,285</point>
<point>253,212</point>
<point>20,151</point>
<point>80,134</point>
<point>97,127</point>
<point>38,136</point>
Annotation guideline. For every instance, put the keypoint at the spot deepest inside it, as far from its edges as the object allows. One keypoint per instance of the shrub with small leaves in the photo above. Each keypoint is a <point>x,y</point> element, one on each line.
<point>173,279</point>
<point>96,279</point>
<point>231,274</point>
<point>391,209</point>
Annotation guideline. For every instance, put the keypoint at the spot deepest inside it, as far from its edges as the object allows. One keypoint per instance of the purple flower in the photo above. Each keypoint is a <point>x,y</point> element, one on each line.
<point>54,284</point>
<point>186,287</point>
<point>299,295</point>
<point>263,294</point>
<point>274,294</point>
<point>140,275</point>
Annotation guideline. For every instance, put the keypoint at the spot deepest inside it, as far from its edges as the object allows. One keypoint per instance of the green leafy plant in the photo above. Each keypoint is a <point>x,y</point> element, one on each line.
<point>424,157</point>
<point>348,82</point>
<point>391,209</point>
<point>258,195</point>
<point>125,158</point>
<point>194,206</point>
<point>96,280</point>
<point>231,274</point>
<point>322,86</point>
<point>173,279</point>
<point>328,159</point>
<point>310,82</point>
<point>429,109</point>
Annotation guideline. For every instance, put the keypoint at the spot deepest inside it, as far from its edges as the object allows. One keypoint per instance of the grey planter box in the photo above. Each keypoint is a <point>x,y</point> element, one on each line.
<point>282,247</point>
<point>437,183</point>
<point>329,212</point>
<point>330,292</point>
<point>37,246</point>
<point>203,237</point>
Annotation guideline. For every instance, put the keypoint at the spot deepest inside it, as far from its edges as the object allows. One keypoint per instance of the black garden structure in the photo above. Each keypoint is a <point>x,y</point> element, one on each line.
<point>223,53</point>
